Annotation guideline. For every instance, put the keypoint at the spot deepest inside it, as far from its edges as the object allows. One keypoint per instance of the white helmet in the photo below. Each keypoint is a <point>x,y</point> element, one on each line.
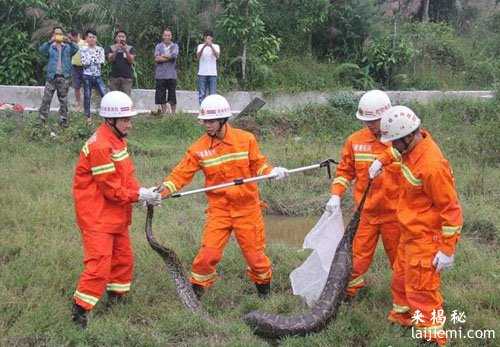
<point>372,105</point>
<point>398,122</point>
<point>214,107</point>
<point>116,105</point>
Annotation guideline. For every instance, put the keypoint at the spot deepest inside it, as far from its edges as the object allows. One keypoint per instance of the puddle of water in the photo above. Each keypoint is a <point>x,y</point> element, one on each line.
<point>288,230</point>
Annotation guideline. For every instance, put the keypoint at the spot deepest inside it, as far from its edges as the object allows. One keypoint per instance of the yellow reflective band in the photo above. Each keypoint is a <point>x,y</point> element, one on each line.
<point>171,186</point>
<point>341,180</point>
<point>102,169</point>
<point>261,170</point>
<point>91,300</point>
<point>203,278</point>
<point>409,176</point>
<point>356,282</point>
<point>399,308</point>
<point>117,287</point>
<point>224,158</point>
<point>85,150</point>
<point>263,276</point>
<point>395,153</point>
<point>451,230</point>
<point>120,155</point>
<point>364,157</point>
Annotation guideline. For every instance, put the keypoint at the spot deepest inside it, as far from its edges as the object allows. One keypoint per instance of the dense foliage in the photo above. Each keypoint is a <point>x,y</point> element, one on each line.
<point>278,45</point>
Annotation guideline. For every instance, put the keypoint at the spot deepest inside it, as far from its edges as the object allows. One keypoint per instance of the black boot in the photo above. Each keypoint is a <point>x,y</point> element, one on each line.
<point>263,290</point>
<point>79,316</point>
<point>114,299</point>
<point>198,290</point>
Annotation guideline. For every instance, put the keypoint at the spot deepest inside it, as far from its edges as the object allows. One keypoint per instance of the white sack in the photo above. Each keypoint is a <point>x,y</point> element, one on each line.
<point>308,280</point>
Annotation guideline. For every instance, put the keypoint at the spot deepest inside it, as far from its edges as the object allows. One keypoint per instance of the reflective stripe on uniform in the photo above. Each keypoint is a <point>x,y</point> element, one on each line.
<point>448,231</point>
<point>119,156</point>
<point>261,170</point>
<point>89,299</point>
<point>341,180</point>
<point>118,287</point>
<point>203,278</point>
<point>264,276</point>
<point>224,158</point>
<point>400,309</point>
<point>364,157</point>
<point>356,282</point>
<point>409,176</point>
<point>102,169</point>
<point>395,153</point>
<point>171,186</point>
<point>85,149</point>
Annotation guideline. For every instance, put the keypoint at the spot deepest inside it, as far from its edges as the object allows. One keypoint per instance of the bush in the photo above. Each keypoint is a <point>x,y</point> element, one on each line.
<point>434,43</point>
<point>16,57</point>
<point>352,74</point>
<point>386,56</point>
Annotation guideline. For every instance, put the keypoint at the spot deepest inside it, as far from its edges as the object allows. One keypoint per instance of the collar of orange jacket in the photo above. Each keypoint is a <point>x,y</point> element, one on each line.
<point>109,132</point>
<point>229,136</point>
<point>420,147</point>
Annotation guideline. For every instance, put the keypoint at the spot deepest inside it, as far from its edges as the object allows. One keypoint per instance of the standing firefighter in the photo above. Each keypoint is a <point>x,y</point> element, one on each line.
<point>431,219</point>
<point>225,154</point>
<point>104,189</point>
<point>379,213</point>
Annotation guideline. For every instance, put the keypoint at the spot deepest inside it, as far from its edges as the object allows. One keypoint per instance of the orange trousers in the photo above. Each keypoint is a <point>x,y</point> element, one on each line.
<point>250,234</point>
<point>108,265</point>
<point>416,288</point>
<point>364,246</point>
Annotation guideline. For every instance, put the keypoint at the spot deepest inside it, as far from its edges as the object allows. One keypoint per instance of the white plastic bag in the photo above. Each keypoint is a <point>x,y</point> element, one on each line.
<point>308,280</point>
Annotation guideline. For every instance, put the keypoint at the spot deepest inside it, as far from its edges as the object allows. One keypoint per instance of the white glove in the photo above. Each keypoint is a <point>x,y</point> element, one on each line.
<point>333,205</point>
<point>375,169</point>
<point>150,196</point>
<point>279,172</point>
<point>442,261</point>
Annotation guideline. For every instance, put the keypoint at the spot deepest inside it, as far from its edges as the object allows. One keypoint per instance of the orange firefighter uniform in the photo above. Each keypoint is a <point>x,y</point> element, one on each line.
<point>379,213</point>
<point>431,220</point>
<point>104,188</point>
<point>236,208</point>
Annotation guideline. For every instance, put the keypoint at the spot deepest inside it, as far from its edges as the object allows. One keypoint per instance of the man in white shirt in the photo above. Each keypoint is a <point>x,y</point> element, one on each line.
<point>207,53</point>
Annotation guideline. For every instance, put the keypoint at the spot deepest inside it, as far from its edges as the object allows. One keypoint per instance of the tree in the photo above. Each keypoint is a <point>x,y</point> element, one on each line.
<point>241,22</point>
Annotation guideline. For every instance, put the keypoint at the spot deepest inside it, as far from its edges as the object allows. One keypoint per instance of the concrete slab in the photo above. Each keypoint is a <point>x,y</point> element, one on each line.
<point>31,98</point>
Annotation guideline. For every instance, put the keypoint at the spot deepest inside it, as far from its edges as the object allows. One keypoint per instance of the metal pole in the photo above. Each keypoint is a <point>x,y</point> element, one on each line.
<point>237,182</point>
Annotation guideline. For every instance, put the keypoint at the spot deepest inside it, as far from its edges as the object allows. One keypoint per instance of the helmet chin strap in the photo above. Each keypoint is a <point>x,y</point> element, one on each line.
<point>113,125</point>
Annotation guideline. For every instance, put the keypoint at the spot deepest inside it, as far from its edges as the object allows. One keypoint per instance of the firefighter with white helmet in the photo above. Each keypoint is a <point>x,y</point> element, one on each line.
<point>225,154</point>
<point>430,216</point>
<point>104,189</point>
<point>379,214</point>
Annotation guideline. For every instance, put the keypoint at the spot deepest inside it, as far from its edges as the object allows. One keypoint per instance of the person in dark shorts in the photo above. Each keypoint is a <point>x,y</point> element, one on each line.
<point>121,56</point>
<point>77,67</point>
<point>165,72</point>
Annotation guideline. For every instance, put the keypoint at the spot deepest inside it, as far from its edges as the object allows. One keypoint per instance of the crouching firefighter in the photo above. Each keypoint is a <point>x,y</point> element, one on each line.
<point>104,188</point>
<point>225,154</point>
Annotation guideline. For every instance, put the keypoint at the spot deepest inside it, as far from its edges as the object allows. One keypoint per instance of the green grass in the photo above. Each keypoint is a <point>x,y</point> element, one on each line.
<point>41,254</point>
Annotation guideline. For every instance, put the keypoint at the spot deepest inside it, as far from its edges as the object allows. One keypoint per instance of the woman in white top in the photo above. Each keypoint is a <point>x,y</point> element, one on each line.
<point>207,53</point>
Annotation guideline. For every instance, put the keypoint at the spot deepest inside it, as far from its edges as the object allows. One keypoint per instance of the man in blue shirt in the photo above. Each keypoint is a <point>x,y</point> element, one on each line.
<point>59,51</point>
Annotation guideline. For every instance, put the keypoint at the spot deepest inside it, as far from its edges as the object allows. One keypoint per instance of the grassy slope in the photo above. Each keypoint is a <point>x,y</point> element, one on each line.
<point>40,250</point>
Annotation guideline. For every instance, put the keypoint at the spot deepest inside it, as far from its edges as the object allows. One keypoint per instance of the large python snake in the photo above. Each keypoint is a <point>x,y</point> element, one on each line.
<point>267,324</point>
